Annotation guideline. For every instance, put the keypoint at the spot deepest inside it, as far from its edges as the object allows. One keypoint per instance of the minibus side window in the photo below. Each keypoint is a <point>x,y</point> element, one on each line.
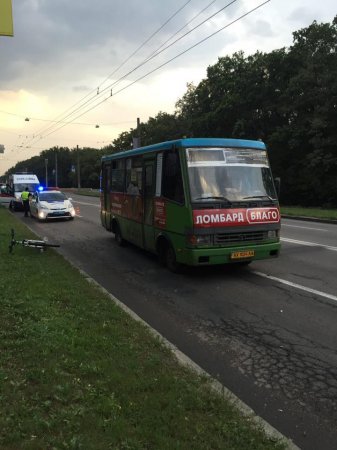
<point>172,186</point>
<point>117,175</point>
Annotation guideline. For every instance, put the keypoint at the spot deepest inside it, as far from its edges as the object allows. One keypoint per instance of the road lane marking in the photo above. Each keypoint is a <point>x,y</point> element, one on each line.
<point>305,228</point>
<point>88,204</point>
<point>187,362</point>
<point>309,244</point>
<point>297,286</point>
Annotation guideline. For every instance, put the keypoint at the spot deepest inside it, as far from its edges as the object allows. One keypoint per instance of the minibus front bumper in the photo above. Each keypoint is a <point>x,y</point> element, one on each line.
<point>227,255</point>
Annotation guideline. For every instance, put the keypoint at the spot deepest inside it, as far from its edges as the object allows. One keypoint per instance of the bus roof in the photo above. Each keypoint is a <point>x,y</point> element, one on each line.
<point>190,142</point>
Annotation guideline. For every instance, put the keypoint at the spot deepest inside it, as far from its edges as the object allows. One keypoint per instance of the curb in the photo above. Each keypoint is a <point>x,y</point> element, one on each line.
<point>183,359</point>
<point>308,219</point>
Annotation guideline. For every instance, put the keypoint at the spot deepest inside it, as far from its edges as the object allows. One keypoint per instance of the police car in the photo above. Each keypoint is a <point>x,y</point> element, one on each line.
<point>51,204</point>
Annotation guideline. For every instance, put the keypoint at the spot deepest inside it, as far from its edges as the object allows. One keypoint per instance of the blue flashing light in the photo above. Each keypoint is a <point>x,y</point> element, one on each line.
<point>40,188</point>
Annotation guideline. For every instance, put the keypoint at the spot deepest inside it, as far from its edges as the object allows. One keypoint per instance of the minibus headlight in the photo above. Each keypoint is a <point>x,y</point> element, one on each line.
<point>201,239</point>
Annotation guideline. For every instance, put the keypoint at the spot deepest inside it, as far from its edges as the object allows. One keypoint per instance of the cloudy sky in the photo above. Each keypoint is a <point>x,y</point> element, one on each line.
<point>77,69</point>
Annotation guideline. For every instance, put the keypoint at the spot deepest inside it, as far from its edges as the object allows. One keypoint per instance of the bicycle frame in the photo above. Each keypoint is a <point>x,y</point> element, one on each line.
<point>34,243</point>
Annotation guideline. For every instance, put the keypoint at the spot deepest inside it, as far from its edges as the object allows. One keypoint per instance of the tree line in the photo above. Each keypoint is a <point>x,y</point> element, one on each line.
<point>287,98</point>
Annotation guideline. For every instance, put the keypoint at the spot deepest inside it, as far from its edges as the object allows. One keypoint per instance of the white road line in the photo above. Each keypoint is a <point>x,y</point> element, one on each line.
<point>305,228</point>
<point>88,204</point>
<point>297,286</point>
<point>309,244</point>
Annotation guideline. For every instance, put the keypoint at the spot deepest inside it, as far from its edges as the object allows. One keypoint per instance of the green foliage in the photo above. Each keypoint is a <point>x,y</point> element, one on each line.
<point>298,211</point>
<point>90,161</point>
<point>77,372</point>
<point>287,97</point>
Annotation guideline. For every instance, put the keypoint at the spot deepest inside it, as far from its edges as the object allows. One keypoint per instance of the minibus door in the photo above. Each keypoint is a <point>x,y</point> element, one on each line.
<point>148,195</point>
<point>106,196</point>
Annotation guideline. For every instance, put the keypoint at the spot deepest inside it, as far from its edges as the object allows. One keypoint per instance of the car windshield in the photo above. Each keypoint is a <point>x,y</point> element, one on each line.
<point>51,197</point>
<point>229,174</point>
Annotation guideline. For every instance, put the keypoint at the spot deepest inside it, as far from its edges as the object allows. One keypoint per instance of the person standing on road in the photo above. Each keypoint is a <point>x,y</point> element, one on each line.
<point>25,200</point>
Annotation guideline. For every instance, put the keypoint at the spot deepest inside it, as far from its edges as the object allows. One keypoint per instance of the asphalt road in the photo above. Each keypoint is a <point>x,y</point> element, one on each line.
<point>267,331</point>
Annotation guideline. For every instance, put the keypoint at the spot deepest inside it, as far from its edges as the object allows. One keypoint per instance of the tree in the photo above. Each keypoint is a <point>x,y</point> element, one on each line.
<point>287,97</point>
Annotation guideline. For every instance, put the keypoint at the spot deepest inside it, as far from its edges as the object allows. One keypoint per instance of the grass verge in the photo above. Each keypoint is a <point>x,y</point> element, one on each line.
<point>77,372</point>
<point>309,212</point>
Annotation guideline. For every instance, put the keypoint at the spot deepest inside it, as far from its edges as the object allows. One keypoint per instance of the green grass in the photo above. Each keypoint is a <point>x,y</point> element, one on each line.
<point>309,212</point>
<point>76,372</point>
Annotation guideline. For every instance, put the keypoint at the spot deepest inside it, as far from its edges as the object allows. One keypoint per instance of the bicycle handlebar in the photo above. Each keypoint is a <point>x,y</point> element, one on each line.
<point>29,243</point>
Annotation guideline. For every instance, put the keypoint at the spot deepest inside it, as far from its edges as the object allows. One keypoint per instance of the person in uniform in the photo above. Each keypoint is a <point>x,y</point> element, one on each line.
<point>25,200</point>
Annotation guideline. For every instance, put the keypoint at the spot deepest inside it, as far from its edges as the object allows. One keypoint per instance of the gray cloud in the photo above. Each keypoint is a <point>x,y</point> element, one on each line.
<point>85,36</point>
<point>74,45</point>
<point>261,28</point>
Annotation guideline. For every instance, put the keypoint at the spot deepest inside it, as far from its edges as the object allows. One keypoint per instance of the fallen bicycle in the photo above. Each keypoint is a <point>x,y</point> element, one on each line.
<point>42,245</point>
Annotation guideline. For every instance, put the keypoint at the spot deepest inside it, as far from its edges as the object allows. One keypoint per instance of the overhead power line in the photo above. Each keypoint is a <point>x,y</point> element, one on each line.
<point>119,67</point>
<point>167,62</point>
<point>145,61</point>
<point>180,29</point>
<point>57,121</point>
<point>148,59</point>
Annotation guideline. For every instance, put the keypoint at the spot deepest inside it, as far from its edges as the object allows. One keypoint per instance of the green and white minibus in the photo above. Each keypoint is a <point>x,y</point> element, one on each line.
<point>197,201</point>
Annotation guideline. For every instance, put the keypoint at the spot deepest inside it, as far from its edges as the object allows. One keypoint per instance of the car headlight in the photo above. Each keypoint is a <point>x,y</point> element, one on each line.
<point>42,214</point>
<point>202,239</point>
<point>72,212</point>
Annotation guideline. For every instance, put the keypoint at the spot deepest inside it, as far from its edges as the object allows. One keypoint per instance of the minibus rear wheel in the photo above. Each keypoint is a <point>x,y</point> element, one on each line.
<point>118,236</point>
<point>161,251</point>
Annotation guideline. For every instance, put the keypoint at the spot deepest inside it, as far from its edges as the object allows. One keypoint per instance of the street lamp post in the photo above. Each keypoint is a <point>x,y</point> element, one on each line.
<point>46,165</point>
<point>78,169</point>
<point>56,174</point>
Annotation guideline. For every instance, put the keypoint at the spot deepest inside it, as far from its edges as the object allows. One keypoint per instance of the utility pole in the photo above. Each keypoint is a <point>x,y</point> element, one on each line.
<point>138,131</point>
<point>136,140</point>
<point>56,177</point>
<point>78,170</point>
<point>46,165</point>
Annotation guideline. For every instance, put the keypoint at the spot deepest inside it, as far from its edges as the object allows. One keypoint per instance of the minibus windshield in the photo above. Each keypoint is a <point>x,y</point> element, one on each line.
<point>229,174</point>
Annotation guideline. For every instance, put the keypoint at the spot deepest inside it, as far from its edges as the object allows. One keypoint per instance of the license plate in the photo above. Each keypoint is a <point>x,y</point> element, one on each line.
<point>243,254</point>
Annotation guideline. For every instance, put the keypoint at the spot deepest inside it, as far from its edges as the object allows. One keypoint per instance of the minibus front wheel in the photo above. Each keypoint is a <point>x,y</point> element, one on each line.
<point>171,260</point>
<point>167,255</point>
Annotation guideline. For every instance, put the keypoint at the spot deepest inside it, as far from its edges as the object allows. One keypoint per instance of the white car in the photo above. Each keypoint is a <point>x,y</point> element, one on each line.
<point>47,205</point>
<point>6,195</point>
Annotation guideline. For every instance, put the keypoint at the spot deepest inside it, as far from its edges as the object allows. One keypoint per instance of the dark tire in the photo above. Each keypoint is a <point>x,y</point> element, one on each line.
<point>162,253</point>
<point>118,237</point>
<point>171,260</point>
<point>242,263</point>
